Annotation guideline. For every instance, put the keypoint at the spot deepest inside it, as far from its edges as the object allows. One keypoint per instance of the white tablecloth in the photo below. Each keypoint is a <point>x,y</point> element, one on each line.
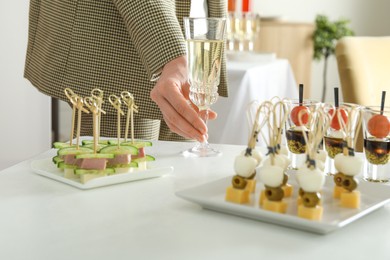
<point>44,219</point>
<point>249,81</point>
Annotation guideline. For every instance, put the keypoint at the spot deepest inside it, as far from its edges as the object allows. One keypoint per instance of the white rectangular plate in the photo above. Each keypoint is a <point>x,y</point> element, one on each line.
<point>47,168</point>
<point>212,196</point>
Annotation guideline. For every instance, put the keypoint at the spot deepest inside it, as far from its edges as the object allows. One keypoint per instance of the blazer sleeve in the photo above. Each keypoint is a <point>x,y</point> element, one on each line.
<point>154,30</point>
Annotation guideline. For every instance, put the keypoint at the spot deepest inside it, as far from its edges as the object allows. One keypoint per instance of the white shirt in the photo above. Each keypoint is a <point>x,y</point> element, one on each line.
<point>198,8</point>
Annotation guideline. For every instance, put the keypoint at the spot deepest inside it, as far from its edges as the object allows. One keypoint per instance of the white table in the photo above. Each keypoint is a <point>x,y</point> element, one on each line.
<point>44,219</point>
<point>249,81</point>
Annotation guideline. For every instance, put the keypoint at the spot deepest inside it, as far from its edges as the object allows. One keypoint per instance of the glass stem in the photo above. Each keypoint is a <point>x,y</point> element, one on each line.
<point>204,115</point>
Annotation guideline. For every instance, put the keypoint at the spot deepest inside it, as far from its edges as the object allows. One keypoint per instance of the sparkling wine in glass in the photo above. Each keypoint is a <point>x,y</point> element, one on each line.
<point>205,41</point>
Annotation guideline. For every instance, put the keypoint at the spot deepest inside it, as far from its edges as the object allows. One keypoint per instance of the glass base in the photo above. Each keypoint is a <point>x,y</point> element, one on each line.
<point>201,150</point>
<point>330,169</point>
<point>376,173</point>
<point>297,160</point>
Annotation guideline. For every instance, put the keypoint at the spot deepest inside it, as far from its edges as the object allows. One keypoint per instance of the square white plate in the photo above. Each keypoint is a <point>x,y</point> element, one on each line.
<point>47,168</point>
<point>212,196</point>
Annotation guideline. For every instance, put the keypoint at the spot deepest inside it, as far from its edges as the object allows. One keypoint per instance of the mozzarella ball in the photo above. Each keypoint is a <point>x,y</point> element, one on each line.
<point>271,175</point>
<point>310,180</point>
<point>278,161</point>
<point>255,154</point>
<point>245,166</point>
<point>349,165</point>
<point>320,165</point>
<point>321,155</point>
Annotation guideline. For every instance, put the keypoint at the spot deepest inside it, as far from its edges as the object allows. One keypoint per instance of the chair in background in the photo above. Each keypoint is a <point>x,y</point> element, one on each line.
<point>364,70</point>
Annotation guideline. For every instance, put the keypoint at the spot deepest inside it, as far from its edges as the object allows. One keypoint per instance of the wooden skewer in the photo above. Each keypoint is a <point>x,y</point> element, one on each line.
<point>77,104</point>
<point>71,96</point>
<point>128,99</point>
<point>116,103</point>
<point>97,94</point>
<point>94,108</point>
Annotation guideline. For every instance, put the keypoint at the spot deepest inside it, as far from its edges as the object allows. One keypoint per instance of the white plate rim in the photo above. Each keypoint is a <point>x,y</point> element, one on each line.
<point>197,195</point>
<point>46,168</point>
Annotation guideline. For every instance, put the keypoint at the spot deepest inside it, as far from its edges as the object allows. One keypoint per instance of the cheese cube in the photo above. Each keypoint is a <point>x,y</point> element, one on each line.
<point>251,185</point>
<point>299,201</point>
<point>314,213</point>
<point>262,197</point>
<point>288,190</point>
<point>275,206</point>
<point>350,199</point>
<point>237,195</point>
<point>337,191</point>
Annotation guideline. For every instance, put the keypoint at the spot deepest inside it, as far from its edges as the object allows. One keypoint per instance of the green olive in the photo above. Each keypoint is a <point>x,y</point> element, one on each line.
<point>274,194</point>
<point>311,199</point>
<point>239,182</point>
<point>285,179</point>
<point>301,192</point>
<point>338,178</point>
<point>252,176</point>
<point>349,183</point>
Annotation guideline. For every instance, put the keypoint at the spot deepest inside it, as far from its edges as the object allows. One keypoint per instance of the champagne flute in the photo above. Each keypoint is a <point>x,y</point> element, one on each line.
<point>205,39</point>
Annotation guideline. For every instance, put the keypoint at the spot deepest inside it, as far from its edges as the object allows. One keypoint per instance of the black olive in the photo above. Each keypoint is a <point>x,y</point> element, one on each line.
<point>274,194</point>
<point>311,199</point>
<point>239,182</point>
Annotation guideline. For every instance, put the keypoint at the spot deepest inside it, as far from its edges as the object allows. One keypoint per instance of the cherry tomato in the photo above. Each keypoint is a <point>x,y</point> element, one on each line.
<point>378,126</point>
<point>296,111</point>
<point>335,124</point>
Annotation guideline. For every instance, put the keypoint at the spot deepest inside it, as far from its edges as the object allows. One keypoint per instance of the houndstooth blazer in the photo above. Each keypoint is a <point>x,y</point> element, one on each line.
<point>113,45</point>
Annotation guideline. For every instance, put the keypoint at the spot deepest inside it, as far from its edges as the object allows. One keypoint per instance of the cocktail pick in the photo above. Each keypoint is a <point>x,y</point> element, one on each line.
<point>351,130</point>
<point>93,106</point>
<point>259,120</point>
<point>300,94</point>
<point>280,115</point>
<point>128,99</point>
<point>116,103</point>
<point>70,95</point>
<point>314,137</point>
<point>383,101</point>
<point>97,94</point>
<point>336,97</point>
<point>77,104</point>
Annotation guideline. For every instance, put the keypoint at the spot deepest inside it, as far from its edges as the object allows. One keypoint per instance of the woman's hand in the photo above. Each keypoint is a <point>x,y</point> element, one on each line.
<point>171,94</point>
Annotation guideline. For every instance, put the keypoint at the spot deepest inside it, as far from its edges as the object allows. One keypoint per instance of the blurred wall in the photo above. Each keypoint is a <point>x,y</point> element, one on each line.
<point>368,18</point>
<point>25,128</point>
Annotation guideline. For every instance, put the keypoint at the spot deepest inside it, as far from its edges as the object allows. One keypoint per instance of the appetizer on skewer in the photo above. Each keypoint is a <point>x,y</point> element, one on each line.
<point>273,172</point>
<point>310,176</point>
<point>244,182</point>
<point>348,165</point>
<point>97,158</point>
